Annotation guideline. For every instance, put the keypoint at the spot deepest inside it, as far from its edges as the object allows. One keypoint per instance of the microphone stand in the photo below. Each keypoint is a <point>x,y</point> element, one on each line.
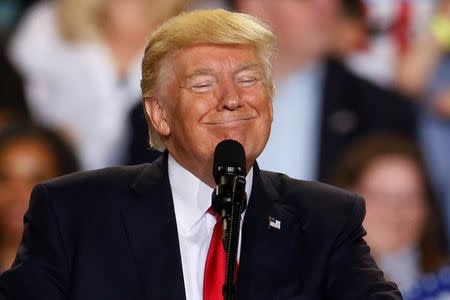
<point>230,203</point>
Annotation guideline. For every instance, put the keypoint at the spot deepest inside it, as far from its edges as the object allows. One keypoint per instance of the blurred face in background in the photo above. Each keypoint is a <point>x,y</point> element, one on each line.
<point>396,207</point>
<point>127,15</point>
<point>23,162</point>
<point>350,33</point>
<point>302,27</point>
<point>138,15</point>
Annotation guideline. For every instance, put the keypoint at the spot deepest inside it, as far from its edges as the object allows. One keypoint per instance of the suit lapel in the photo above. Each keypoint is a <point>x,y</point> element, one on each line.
<point>261,200</point>
<point>271,242</point>
<point>149,220</point>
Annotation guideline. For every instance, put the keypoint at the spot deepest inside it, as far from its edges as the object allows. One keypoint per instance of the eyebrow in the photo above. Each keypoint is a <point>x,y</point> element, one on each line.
<point>209,71</point>
<point>247,66</point>
<point>199,72</point>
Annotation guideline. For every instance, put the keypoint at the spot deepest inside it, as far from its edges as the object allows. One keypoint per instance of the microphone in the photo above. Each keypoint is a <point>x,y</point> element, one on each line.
<point>229,174</point>
<point>229,200</point>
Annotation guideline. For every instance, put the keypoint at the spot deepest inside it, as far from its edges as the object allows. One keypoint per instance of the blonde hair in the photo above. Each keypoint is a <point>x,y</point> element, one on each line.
<point>188,29</point>
<point>84,19</point>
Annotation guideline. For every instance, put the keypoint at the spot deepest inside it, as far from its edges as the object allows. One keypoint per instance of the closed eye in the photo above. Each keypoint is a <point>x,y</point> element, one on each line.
<point>248,76</point>
<point>202,87</point>
<point>247,81</point>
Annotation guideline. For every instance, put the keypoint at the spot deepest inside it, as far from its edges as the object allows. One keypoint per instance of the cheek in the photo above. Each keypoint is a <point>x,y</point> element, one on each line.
<point>374,213</point>
<point>187,113</point>
<point>259,100</point>
<point>414,218</point>
<point>195,107</point>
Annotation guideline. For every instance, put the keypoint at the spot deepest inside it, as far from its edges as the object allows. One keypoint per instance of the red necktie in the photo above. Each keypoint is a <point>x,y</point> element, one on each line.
<point>214,277</point>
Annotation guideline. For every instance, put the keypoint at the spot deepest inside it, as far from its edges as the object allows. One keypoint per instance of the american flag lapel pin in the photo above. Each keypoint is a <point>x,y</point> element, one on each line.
<point>274,223</point>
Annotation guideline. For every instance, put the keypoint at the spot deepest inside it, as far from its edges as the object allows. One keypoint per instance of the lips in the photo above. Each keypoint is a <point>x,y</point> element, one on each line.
<point>230,121</point>
<point>229,118</point>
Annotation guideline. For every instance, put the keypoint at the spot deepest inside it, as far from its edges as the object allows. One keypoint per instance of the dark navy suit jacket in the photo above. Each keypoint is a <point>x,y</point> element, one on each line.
<point>111,235</point>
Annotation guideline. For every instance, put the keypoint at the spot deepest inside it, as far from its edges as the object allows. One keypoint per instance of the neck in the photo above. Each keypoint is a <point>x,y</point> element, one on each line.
<point>200,168</point>
<point>286,64</point>
<point>204,171</point>
<point>125,46</point>
<point>124,49</point>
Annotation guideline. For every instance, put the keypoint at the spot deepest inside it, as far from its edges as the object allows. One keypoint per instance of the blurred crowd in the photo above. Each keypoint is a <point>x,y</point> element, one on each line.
<point>362,101</point>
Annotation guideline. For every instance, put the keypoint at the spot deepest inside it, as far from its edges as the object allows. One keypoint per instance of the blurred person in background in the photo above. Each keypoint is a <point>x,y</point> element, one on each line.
<point>424,72</point>
<point>28,154</point>
<point>404,229</point>
<point>81,61</point>
<point>351,29</point>
<point>392,26</point>
<point>12,99</point>
<point>318,100</point>
<point>205,4</point>
<point>138,150</point>
<point>10,13</point>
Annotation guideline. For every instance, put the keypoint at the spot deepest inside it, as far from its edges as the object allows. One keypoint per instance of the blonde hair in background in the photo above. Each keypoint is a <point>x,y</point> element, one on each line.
<point>84,19</point>
<point>218,27</point>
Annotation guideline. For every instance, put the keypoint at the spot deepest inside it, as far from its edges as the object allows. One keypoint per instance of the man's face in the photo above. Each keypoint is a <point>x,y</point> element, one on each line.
<point>301,26</point>
<point>210,93</point>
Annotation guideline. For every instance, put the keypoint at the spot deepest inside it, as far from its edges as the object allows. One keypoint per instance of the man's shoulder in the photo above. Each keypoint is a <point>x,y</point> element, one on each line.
<point>87,194</point>
<point>340,75</point>
<point>310,198</point>
<point>86,188</point>
<point>291,187</point>
<point>111,178</point>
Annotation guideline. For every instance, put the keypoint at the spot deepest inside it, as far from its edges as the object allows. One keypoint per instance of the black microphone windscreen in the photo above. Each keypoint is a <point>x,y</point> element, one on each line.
<point>228,155</point>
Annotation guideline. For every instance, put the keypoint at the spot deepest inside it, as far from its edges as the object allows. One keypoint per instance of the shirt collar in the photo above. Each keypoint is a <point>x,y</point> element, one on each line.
<point>191,196</point>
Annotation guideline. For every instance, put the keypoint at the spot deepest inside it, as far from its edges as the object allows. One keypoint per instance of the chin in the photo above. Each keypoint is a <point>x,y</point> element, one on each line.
<point>230,136</point>
<point>251,146</point>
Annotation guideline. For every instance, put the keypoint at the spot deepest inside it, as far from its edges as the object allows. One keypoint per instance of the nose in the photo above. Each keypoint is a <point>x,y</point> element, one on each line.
<point>229,98</point>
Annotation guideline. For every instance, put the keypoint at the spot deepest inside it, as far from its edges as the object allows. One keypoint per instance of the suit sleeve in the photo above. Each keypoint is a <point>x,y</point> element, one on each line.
<point>40,270</point>
<point>353,274</point>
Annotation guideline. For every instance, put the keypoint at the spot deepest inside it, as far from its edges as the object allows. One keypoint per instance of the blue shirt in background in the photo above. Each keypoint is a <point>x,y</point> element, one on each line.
<point>293,145</point>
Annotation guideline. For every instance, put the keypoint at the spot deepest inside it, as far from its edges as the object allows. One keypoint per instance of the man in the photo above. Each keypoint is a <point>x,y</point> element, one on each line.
<point>143,232</point>
<point>320,107</point>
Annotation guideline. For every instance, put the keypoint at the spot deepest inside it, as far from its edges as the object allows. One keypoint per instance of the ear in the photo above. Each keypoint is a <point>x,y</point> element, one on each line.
<point>271,109</point>
<point>157,116</point>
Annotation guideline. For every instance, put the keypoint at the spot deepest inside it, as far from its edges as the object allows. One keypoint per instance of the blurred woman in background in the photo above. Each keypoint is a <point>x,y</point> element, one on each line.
<point>81,62</point>
<point>403,223</point>
<point>28,154</point>
<point>424,72</point>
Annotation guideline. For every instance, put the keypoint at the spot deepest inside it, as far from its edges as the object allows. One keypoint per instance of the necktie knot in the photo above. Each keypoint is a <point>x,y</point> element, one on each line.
<point>212,212</point>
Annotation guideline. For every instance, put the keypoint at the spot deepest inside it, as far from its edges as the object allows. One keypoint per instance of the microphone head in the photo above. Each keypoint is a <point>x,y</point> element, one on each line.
<point>229,158</point>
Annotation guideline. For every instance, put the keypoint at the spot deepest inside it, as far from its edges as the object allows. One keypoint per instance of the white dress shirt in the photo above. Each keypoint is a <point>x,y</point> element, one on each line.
<point>191,199</point>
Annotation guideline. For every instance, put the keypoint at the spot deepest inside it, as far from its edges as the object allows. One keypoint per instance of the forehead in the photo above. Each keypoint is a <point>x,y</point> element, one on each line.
<point>215,58</point>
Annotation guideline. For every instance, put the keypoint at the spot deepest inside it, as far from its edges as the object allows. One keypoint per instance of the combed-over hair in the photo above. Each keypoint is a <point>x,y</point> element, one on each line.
<point>217,27</point>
